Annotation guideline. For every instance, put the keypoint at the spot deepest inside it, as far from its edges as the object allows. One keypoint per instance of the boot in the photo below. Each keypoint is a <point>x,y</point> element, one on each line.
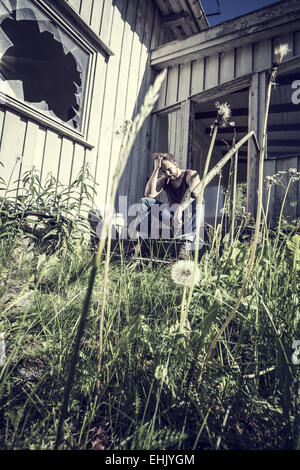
<point>184,250</point>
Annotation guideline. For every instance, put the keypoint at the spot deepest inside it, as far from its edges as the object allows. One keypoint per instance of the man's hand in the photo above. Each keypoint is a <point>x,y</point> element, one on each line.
<point>157,163</point>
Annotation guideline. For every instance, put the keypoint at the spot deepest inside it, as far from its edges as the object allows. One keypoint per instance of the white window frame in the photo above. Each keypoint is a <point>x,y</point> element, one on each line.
<point>80,38</point>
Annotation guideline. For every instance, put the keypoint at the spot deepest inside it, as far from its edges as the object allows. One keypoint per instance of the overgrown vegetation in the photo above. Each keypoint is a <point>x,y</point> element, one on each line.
<point>214,368</point>
<point>155,391</point>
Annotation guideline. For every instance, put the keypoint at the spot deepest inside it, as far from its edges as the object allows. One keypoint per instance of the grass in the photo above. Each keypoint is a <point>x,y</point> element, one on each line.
<point>140,377</point>
<point>154,393</point>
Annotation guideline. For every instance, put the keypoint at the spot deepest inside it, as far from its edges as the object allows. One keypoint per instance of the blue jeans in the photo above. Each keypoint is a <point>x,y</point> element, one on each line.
<point>152,210</point>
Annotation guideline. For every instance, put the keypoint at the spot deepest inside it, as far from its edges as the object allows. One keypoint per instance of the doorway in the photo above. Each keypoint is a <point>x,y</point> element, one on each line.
<point>204,115</point>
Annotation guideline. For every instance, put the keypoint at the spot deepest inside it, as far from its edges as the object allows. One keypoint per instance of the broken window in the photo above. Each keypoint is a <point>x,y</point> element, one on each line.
<point>40,63</point>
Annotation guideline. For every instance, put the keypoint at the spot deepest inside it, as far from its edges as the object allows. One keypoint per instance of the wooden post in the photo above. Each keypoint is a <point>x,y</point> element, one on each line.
<point>257,103</point>
<point>252,152</point>
<point>185,134</point>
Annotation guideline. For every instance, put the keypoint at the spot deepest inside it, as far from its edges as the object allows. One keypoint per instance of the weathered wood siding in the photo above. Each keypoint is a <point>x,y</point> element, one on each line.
<point>130,28</point>
<point>186,80</point>
<point>291,210</point>
<point>206,64</point>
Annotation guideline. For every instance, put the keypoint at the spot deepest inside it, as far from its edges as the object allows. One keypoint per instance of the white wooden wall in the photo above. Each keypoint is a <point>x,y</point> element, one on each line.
<point>129,28</point>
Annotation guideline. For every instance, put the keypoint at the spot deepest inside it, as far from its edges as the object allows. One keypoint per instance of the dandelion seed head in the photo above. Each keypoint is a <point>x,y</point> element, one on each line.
<point>224,113</point>
<point>223,109</point>
<point>182,273</point>
<point>281,52</point>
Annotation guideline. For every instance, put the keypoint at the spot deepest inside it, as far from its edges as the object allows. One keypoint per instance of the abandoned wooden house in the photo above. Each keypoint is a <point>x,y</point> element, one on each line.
<point>72,71</point>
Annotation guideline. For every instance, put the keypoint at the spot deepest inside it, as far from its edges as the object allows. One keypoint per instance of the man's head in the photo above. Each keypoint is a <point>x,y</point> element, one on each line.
<point>168,166</point>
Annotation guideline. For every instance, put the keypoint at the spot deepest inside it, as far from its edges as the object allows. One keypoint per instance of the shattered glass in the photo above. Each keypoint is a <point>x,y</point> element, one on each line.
<point>40,64</point>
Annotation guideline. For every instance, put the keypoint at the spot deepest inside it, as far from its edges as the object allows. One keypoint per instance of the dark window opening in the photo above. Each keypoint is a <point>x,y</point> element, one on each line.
<point>50,67</point>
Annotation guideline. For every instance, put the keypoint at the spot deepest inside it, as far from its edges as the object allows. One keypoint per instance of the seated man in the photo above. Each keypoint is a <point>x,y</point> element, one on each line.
<point>178,185</point>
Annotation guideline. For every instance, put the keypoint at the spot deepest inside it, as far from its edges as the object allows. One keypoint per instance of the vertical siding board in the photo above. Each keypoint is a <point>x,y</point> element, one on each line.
<point>184,81</point>
<point>289,212</point>
<point>107,124</point>
<point>37,158</point>
<point>51,155</point>
<point>75,4</point>
<point>211,71</point>
<point>262,53</point>
<point>156,28</point>
<point>252,157</point>
<point>297,43</point>
<point>96,15</point>
<point>2,118</point>
<point>97,101</point>
<point>66,160</point>
<point>131,183</point>
<point>226,66</point>
<point>172,133</point>
<point>145,79</point>
<point>106,22</point>
<point>12,147</point>
<point>197,79</point>
<point>161,102</point>
<point>78,160</point>
<point>172,86</point>
<point>269,170</point>
<point>243,60</point>
<point>86,10</point>
<point>29,153</point>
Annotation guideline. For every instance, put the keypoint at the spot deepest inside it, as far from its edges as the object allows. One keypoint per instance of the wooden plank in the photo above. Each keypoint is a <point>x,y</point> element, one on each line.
<point>39,149</point>
<point>135,96</point>
<point>65,167</point>
<point>178,137</point>
<point>262,54</point>
<point>78,160</point>
<point>226,66</point>
<point>29,153</point>
<point>75,4</point>
<point>252,153</point>
<point>51,155</point>
<point>12,147</point>
<point>156,28</point>
<point>110,94</point>
<point>2,117</point>
<point>86,10</point>
<point>297,43</point>
<point>289,211</point>
<point>197,81</point>
<point>145,80</point>
<point>96,15</point>
<point>184,81</point>
<point>126,90</point>
<point>106,22</point>
<point>211,71</point>
<point>185,132</point>
<point>161,102</point>
<point>172,90</point>
<point>243,60</point>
